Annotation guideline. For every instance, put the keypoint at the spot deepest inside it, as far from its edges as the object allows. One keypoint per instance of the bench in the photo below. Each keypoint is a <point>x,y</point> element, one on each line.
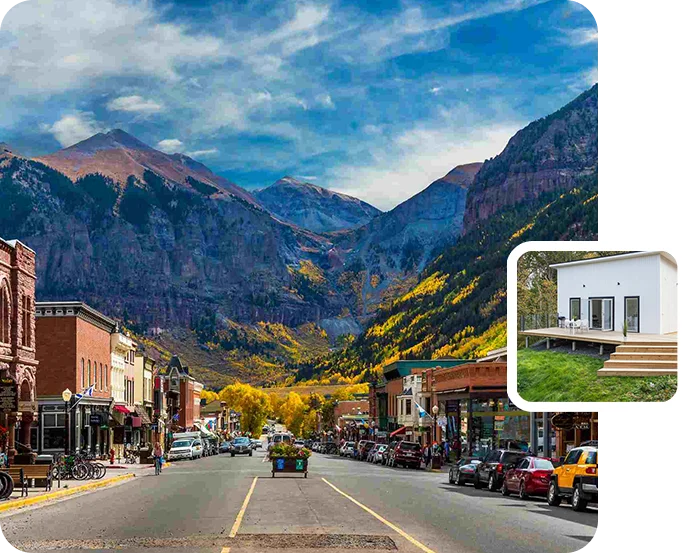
<point>24,474</point>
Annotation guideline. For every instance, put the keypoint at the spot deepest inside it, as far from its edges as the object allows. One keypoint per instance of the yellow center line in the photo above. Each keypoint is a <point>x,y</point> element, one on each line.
<point>401,532</point>
<point>240,514</point>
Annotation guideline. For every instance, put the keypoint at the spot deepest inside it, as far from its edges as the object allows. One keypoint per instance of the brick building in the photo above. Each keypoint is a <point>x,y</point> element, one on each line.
<point>73,346</point>
<point>17,341</point>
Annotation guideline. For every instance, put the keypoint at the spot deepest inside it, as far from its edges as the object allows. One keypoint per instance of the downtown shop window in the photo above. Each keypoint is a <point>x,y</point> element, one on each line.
<point>53,430</point>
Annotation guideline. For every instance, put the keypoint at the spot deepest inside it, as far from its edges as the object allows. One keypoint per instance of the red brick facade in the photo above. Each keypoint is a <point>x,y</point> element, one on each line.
<point>17,332</point>
<point>73,343</point>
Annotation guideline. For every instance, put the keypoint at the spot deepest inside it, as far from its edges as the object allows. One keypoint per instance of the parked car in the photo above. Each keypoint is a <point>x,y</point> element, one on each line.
<point>279,438</point>
<point>185,449</point>
<point>576,480</point>
<point>224,447</point>
<point>299,444</point>
<point>407,454</point>
<point>348,450</point>
<point>257,443</point>
<point>491,470</point>
<point>463,470</point>
<point>363,448</point>
<point>241,445</point>
<point>379,454</point>
<point>530,476</point>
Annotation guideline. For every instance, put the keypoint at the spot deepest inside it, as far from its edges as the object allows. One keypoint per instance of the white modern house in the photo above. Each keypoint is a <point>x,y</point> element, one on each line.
<point>640,288</point>
<point>596,296</point>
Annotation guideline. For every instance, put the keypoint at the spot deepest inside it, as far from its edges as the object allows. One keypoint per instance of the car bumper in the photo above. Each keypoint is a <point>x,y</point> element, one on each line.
<point>589,485</point>
<point>173,456</point>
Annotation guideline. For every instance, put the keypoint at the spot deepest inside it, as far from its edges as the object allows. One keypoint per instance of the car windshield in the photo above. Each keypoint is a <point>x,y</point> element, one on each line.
<point>181,443</point>
<point>410,446</point>
<point>241,441</point>
<point>509,457</point>
<point>543,464</point>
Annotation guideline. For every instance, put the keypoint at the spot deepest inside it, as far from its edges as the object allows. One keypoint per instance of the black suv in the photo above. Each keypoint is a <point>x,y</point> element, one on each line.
<point>491,470</point>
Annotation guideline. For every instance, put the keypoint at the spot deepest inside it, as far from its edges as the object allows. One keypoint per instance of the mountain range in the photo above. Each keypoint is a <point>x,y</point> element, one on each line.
<point>172,249</point>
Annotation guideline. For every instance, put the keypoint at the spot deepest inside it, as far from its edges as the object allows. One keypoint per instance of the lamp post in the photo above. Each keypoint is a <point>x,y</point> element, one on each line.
<point>435,420</point>
<point>66,397</point>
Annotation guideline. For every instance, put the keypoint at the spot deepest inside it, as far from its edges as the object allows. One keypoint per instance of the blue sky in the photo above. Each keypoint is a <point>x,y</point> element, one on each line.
<point>371,99</point>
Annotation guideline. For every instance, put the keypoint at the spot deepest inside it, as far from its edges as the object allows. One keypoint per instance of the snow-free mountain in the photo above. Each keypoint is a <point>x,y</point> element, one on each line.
<point>313,207</point>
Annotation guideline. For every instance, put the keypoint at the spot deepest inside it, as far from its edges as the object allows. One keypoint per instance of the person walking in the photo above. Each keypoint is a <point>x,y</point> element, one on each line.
<point>158,457</point>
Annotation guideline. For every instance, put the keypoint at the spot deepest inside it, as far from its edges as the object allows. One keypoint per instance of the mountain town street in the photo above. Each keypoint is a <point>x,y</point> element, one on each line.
<point>224,504</point>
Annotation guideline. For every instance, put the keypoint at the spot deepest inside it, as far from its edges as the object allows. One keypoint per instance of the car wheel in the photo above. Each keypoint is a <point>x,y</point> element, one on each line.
<point>554,498</point>
<point>504,489</point>
<point>477,483</point>
<point>522,491</point>
<point>491,483</point>
<point>232,454</point>
<point>251,453</point>
<point>451,478</point>
<point>578,502</point>
<point>460,480</point>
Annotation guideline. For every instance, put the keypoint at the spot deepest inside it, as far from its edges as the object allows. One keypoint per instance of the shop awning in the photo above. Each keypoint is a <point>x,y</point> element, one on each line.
<point>398,431</point>
<point>143,415</point>
<point>121,409</point>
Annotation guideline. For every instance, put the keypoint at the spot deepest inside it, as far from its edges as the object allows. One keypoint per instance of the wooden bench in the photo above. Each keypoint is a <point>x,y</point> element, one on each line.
<point>24,474</point>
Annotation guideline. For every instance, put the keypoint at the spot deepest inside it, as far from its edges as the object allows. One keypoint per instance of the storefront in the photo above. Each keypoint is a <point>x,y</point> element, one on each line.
<point>573,430</point>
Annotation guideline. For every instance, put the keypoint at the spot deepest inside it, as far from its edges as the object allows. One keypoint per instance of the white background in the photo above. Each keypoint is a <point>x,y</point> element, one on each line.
<point>642,186</point>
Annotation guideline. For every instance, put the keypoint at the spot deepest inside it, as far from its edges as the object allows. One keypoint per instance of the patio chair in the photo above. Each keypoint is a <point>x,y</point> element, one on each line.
<point>576,326</point>
<point>584,327</point>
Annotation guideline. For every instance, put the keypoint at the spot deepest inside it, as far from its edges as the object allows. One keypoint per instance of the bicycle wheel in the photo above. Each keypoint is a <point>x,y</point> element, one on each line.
<point>100,470</point>
<point>79,472</point>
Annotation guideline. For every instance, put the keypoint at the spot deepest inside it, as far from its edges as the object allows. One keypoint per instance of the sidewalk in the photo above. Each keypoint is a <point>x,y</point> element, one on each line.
<point>70,487</point>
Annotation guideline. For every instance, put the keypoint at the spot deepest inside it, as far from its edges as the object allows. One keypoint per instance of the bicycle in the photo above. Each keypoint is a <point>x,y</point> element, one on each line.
<point>158,465</point>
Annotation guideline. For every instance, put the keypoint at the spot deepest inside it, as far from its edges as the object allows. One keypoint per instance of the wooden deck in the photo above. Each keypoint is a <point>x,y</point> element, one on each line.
<point>600,337</point>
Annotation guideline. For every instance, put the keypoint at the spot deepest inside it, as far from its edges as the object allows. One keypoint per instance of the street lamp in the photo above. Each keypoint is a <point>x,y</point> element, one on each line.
<point>435,419</point>
<point>66,397</point>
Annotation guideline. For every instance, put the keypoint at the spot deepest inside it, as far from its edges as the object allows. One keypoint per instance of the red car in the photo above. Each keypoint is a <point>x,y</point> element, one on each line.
<point>530,476</point>
<point>407,454</point>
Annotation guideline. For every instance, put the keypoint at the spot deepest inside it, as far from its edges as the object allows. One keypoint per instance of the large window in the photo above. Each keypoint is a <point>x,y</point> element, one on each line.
<point>53,430</point>
<point>83,374</point>
<point>631,313</point>
<point>575,309</point>
<point>408,406</point>
<point>5,318</point>
<point>26,321</point>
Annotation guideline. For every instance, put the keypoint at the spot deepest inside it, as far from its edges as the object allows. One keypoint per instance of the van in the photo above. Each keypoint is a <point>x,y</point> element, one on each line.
<point>279,438</point>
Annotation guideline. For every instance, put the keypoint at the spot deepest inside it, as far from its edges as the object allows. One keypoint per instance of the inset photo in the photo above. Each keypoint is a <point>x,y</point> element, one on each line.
<point>592,326</point>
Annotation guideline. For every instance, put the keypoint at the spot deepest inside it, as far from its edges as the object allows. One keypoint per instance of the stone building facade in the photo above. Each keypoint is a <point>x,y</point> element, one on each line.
<point>18,338</point>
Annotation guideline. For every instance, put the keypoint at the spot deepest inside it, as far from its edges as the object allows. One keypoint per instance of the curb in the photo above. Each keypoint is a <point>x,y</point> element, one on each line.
<point>19,503</point>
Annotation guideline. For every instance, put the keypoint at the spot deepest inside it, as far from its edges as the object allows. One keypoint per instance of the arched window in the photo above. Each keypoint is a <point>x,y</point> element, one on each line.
<point>5,314</point>
<point>83,374</point>
<point>88,382</point>
<point>106,377</point>
<point>26,321</point>
<point>102,382</point>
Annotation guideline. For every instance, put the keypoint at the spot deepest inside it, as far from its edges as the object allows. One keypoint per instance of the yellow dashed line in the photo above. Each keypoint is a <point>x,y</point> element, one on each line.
<point>240,514</point>
<point>401,532</point>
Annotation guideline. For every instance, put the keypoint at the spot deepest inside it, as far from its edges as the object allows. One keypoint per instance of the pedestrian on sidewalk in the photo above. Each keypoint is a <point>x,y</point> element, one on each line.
<point>158,457</point>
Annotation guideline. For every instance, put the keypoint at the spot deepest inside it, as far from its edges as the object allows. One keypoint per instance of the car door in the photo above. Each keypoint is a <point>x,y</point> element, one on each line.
<point>520,472</point>
<point>485,467</point>
<point>569,466</point>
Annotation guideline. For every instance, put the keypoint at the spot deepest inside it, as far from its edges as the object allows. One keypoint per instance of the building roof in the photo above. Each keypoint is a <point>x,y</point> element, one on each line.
<point>13,244</point>
<point>212,407</point>
<point>398,369</point>
<point>75,309</point>
<point>603,259</point>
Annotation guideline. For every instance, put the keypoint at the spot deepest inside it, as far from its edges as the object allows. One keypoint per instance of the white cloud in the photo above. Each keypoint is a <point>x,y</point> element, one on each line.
<point>407,164</point>
<point>203,153</point>
<point>73,128</point>
<point>135,104</point>
<point>580,37</point>
<point>435,90</point>
<point>170,146</point>
<point>325,101</point>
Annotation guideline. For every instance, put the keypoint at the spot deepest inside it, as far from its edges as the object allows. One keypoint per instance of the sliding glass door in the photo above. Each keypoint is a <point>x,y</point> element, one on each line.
<point>631,313</point>
<point>600,313</point>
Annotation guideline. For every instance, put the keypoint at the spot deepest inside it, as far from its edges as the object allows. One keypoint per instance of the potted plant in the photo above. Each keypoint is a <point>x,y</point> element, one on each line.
<point>287,458</point>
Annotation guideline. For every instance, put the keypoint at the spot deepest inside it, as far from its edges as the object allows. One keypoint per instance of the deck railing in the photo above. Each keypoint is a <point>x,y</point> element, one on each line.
<point>534,321</point>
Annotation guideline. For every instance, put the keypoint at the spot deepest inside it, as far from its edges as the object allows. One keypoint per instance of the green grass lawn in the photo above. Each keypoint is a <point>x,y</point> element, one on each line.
<point>557,376</point>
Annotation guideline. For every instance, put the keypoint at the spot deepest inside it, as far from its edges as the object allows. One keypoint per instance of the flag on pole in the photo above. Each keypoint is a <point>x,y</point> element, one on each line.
<point>422,411</point>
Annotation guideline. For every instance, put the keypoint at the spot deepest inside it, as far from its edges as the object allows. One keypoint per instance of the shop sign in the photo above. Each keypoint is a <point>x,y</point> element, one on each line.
<point>567,421</point>
<point>442,422</point>
<point>28,406</point>
<point>9,400</point>
<point>95,419</point>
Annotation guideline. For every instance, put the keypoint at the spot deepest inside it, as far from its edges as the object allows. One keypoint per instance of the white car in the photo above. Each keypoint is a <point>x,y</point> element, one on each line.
<point>185,449</point>
<point>348,449</point>
<point>299,444</point>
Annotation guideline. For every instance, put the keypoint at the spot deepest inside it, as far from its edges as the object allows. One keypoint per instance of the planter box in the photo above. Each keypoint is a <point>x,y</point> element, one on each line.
<point>290,464</point>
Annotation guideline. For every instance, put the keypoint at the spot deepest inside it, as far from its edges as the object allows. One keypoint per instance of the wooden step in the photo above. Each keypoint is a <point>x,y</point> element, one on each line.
<point>631,348</point>
<point>631,364</point>
<point>643,356</point>
<point>650,343</point>
<point>639,371</point>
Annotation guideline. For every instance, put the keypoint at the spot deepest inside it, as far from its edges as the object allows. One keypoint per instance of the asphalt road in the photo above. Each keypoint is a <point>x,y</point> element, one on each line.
<point>220,504</point>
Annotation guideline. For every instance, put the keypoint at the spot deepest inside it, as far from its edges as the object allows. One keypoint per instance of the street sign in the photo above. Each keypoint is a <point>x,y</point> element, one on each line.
<point>9,399</point>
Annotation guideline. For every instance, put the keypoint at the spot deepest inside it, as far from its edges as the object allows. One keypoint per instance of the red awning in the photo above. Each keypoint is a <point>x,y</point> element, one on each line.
<point>398,431</point>
<point>121,409</point>
<point>136,422</point>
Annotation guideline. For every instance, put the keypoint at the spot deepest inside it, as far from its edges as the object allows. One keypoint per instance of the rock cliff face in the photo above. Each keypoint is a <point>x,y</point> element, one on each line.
<point>155,251</point>
<point>549,155</point>
<point>314,208</point>
<point>398,244</point>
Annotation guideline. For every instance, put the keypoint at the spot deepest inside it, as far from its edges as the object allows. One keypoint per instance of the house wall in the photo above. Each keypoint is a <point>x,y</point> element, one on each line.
<point>638,276</point>
<point>668,296</point>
